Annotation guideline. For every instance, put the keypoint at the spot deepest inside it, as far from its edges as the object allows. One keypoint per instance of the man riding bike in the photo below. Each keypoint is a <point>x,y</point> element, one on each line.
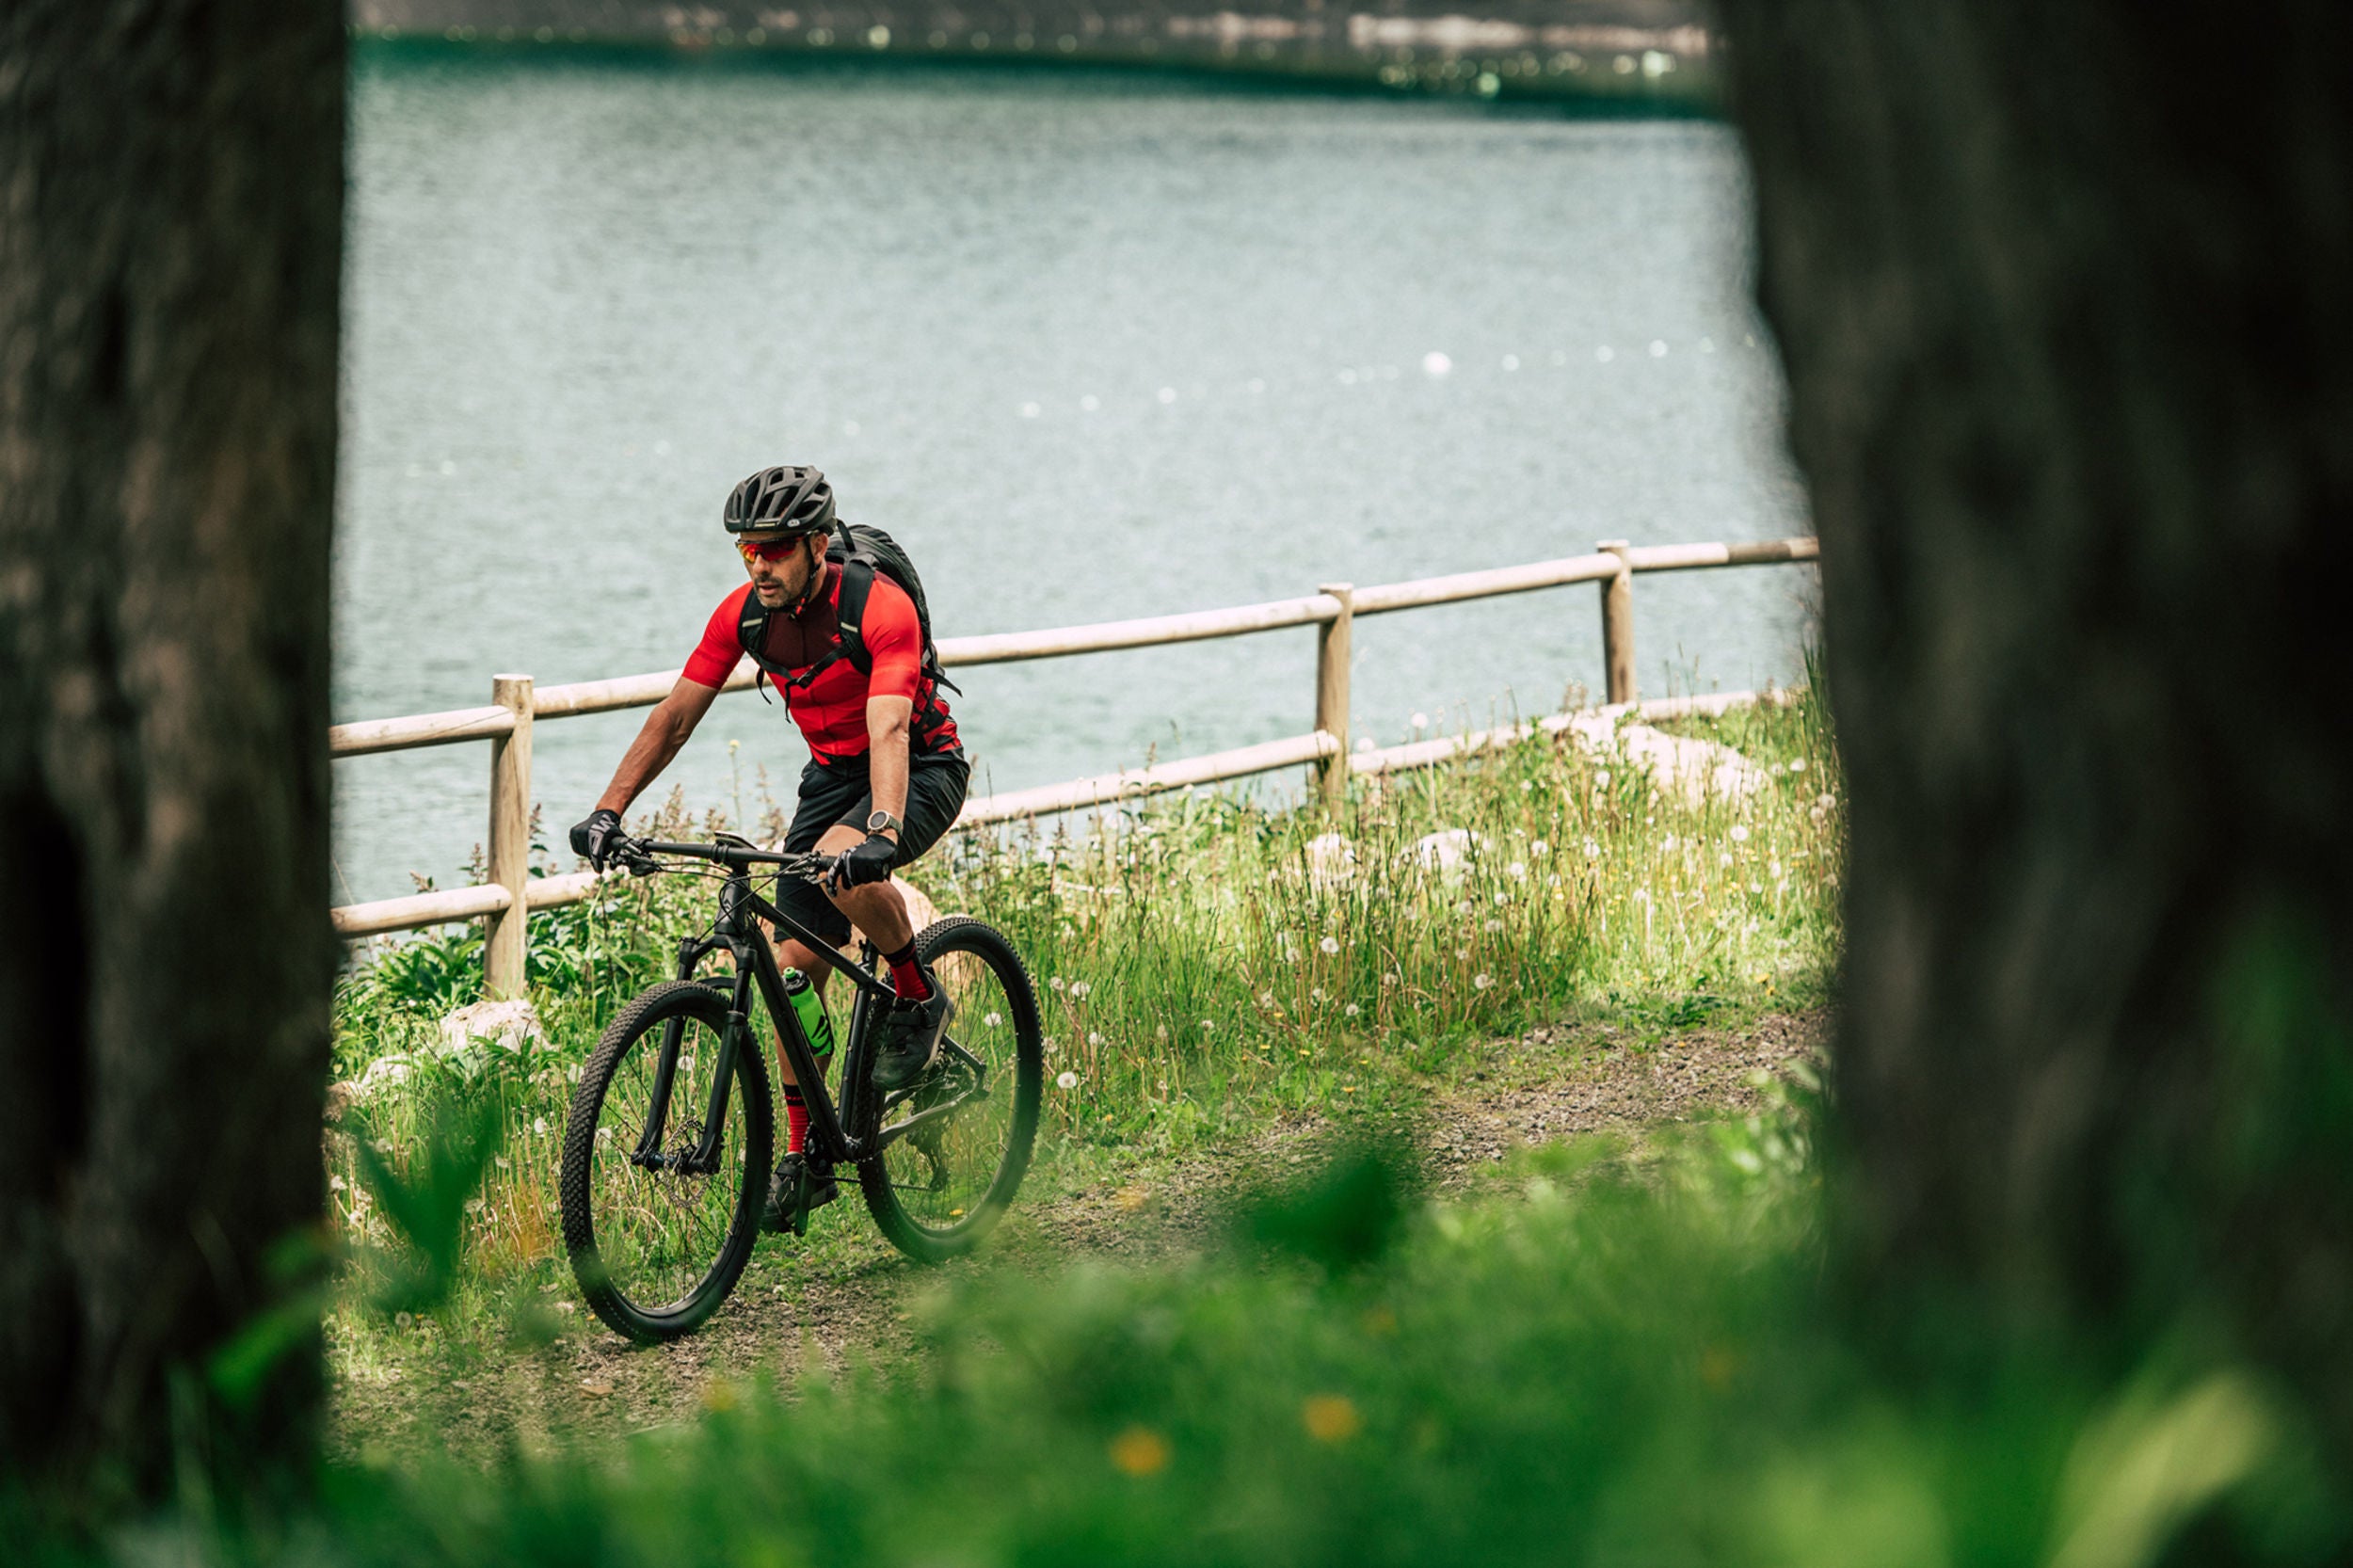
<point>885,775</point>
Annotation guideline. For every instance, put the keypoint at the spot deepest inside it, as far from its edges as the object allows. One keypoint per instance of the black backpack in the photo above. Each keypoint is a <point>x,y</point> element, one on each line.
<point>861,552</point>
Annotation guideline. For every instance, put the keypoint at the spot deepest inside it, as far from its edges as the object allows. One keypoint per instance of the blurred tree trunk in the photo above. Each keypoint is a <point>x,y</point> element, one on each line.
<point>171,235</point>
<point>2063,296</point>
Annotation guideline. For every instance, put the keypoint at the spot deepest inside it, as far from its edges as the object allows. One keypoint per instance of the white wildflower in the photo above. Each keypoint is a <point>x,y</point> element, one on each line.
<point>539,1126</point>
<point>1266,998</point>
<point>1067,1080</point>
<point>1540,848</point>
<point>1462,955</point>
<point>1389,979</point>
<point>1094,1038</point>
<point>1160,1032</point>
<point>1315,994</point>
<point>1352,1010</point>
<point>1739,833</point>
<point>1208,1026</point>
<point>1797,766</point>
<point>1517,871</point>
<point>1527,786</point>
<point>1330,945</point>
<point>1481,981</point>
<point>1502,897</point>
<point>1055,984</point>
<point>1464,908</point>
<point>1494,927</point>
<point>1670,842</point>
<point>1592,850</point>
<point>1079,988</point>
<point>994,1020</point>
<point>1420,722</point>
<point>1601,777</point>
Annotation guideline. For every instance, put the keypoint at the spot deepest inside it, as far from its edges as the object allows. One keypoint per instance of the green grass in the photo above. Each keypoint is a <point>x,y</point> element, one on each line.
<point>1599,1366</point>
<point>1205,965</point>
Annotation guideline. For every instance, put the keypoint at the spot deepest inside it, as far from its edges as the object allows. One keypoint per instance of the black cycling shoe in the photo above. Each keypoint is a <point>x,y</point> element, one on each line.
<point>910,1038</point>
<point>784,1211</point>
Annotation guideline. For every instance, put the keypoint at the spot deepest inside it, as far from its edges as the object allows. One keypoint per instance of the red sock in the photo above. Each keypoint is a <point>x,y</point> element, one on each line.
<point>906,975</point>
<point>795,1119</point>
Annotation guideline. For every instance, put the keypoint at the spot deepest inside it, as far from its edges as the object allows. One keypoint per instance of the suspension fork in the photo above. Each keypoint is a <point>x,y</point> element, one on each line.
<point>691,950</point>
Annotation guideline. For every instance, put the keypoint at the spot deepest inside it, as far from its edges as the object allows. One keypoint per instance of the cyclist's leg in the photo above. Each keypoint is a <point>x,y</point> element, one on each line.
<point>936,789</point>
<point>826,796</point>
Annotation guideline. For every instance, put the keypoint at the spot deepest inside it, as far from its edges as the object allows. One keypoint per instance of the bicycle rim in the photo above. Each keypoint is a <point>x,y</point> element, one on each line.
<point>967,1127</point>
<point>657,1247</point>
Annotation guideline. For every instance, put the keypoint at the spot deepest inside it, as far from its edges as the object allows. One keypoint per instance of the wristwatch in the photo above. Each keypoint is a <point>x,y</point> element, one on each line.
<point>882,821</point>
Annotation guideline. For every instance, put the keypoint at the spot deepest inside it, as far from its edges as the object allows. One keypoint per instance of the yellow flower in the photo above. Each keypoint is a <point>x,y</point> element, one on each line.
<point>1140,1451</point>
<point>1331,1417</point>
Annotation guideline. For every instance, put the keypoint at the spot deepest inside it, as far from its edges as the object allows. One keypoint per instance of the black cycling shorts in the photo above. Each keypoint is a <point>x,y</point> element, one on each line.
<point>835,791</point>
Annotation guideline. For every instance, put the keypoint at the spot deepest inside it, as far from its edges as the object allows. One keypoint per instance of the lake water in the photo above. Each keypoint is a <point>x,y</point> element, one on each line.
<point>1091,344</point>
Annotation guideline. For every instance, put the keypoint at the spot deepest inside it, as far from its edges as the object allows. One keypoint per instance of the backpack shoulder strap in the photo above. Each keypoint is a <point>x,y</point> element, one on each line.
<point>751,635</point>
<point>857,581</point>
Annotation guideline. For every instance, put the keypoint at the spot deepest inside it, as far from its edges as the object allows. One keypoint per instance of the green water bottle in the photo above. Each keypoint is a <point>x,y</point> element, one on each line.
<point>812,1008</point>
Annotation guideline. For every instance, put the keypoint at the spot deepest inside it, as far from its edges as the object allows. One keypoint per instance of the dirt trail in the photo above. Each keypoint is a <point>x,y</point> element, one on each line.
<point>844,1297</point>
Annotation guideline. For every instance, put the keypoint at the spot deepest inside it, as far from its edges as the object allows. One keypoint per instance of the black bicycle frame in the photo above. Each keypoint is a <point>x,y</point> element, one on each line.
<point>735,930</point>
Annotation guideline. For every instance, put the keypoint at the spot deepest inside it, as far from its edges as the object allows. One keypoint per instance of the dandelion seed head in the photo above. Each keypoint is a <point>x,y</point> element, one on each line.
<point>1065,1080</point>
<point>1724,859</point>
<point>1519,870</point>
<point>1481,981</point>
<point>1330,944</point>
<point>1541,847</point>
<point>1739,833</point>
<point>1494,927</point>
<point>1601,777</point>
<point>1592,850</point>
<point>1351,1010</point>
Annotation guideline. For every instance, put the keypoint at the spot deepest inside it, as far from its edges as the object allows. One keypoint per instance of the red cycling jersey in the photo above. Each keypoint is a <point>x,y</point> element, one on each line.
<point>832,710</point>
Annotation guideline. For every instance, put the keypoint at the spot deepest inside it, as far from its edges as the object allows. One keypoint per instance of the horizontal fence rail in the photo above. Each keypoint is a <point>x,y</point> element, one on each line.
<point>507,900</point>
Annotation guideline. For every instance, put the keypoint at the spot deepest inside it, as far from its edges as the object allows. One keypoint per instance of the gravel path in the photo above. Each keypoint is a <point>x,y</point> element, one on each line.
<point>842,1297</point>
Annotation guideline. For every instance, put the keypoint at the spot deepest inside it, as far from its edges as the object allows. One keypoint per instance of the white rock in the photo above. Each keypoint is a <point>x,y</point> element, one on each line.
<point>512,1026</point>
<point>1330,860</point>
<point>1691,767</point>
<point>382,1073</point>
<point>1445,850</point>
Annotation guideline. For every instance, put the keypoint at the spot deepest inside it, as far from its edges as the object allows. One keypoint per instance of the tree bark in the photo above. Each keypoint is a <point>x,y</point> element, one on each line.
<point>171,235</point>
<point>2062,295</point>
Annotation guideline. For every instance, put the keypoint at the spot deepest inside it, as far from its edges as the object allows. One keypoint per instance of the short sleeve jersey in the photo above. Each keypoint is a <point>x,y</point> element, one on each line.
<point>832,710</point>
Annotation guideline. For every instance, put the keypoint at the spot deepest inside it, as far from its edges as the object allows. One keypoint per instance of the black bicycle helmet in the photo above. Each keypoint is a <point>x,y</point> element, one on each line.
<point>781,501</point>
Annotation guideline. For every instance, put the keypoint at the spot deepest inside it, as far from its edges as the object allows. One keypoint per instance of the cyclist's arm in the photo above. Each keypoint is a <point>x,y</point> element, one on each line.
<point>887,721</point>
<point>666,727</point>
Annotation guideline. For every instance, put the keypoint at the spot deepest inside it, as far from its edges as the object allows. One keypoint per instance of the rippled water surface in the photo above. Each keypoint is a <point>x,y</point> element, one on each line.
<point>1092,345</point>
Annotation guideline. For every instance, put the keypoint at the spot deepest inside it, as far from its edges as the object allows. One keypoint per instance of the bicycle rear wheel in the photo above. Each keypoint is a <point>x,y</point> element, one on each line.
<point>956,1142</point>
<point>656,1244</point>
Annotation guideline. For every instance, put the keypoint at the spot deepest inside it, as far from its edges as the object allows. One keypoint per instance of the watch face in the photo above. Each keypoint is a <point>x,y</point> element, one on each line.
<point>879,821</point>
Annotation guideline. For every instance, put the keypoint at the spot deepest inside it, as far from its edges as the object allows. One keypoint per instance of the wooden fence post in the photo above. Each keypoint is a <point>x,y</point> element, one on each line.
<point>510,839</point>
<point>1332,641</point>
<point>1617,624</point>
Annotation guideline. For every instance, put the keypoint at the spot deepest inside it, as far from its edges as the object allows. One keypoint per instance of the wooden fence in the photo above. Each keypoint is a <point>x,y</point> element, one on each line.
<point>511,892</point>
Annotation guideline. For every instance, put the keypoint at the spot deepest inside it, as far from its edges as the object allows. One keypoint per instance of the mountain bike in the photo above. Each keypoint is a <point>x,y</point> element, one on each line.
<point>668,1145</point>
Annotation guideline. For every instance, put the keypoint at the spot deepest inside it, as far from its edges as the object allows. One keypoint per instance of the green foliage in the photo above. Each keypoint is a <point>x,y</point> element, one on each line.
<point>1603,1366</point>
<point>425,1204</point>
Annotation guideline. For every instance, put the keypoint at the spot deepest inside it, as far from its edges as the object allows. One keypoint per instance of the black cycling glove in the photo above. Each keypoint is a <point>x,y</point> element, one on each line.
<point>593,837</point>
<point>868,862</point>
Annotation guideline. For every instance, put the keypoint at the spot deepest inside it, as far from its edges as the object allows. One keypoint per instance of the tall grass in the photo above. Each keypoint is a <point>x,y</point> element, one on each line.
<point>1205,960</point>
<point>1598,1369</point>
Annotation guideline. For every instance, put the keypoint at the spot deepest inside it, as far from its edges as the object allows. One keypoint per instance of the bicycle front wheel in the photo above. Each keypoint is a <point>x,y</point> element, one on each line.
<point>955,1142</point>
<point>659,1223</point>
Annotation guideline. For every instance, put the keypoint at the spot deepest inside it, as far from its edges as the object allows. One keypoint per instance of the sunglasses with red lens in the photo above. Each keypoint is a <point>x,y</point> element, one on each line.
<point>770,549</point>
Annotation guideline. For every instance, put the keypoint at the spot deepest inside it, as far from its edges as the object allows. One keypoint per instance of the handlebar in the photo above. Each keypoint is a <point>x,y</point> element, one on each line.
<point>639,855</point>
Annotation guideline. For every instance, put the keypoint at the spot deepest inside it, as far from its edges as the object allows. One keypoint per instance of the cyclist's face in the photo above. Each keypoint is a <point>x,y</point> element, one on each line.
<point>779,568</point>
